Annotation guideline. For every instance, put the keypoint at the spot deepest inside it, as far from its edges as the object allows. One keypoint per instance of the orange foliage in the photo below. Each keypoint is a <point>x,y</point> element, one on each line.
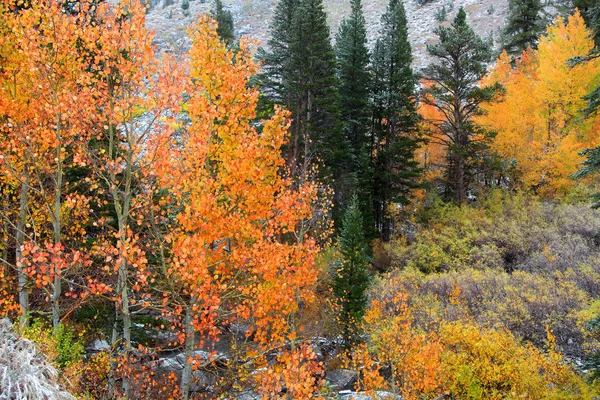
<point>538,123</point>
<point>414,356</point>
<point>235,251</point>
<point>431,155</point>
<point>294,370</point>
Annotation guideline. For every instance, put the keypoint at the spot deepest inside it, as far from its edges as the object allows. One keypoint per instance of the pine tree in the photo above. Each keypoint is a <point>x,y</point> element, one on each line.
<point>316,125</point>
<point>592,163</point>
<point>300,73</point>
<point>274,80</point>
<point>224,22</point>
<point>351,278</point>
<point>354,76</point>
<point>524,26</point>
<point>394,131</point>
<point>462,62</point>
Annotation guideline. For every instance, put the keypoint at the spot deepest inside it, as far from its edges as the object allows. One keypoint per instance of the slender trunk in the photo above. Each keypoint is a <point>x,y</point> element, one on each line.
<point>112,380</point>
<point>56,224</point>
<point>190,338</point>
<point>121,203</point>
<point>20,237</point>
<point>122,287</point>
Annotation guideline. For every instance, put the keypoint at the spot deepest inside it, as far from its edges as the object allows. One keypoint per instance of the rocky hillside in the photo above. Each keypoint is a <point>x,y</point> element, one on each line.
<point>252,17</point>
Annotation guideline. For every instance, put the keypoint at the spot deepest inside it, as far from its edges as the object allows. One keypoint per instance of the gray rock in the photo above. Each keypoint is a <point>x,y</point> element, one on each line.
<point>98,345</point>
<point>342,379</point>
<point>349,395</point>
<point>203,381</point>
<point>249,395</point>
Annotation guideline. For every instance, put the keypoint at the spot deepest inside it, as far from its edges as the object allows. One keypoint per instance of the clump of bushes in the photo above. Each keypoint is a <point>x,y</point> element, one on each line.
<point>509,231</point>
<point>459,359</point>
<point>504,288</point>
<point>62,348</point>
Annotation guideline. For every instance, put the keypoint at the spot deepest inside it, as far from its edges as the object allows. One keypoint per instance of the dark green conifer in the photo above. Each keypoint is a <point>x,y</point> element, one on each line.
<point>224,22</point>
<point>354,87</point>
<point>462,59</point>
<point>394,138</point>
<point>351,277</point>
<point>300,73</point>
<point>315,106</point>
<point>524,25</point>
<point>275,78</point>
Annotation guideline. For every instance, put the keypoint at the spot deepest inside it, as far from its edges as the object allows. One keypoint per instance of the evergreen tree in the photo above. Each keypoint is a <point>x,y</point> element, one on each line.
<point>462,62</point>
<point>524,26</point>
<point>593,19</point>
<point>590,10</point>
<point>316,126</point>
<point>351,278</point>
<point>353,63</point>
<point>275,78</point>
<point>224,22</point>
<point>300,73</point>
<point>394,116</point>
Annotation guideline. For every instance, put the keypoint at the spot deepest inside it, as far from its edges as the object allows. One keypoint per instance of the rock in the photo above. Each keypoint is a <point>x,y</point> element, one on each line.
<point>249,395</point>
<point>203,381</point>
<point>342,379</point>
<point>240,330</point>
<point>97,346</point>
<point>166,339</point>
<point>318,352</point>
<point>349,395</point>
<point>177,362</point>
<point>171,363</point>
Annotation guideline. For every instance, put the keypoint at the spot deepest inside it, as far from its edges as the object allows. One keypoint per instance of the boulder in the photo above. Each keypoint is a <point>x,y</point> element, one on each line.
<point>341,379</point>
<point>97,346</point>
<point>203,381</point>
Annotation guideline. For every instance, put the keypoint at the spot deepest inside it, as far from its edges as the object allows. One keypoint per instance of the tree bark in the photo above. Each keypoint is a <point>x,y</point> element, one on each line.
<point>20,238</point>
<point>190,338</point>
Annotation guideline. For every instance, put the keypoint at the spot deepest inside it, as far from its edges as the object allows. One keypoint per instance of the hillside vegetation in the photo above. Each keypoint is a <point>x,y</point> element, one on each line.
<point>331,215</point>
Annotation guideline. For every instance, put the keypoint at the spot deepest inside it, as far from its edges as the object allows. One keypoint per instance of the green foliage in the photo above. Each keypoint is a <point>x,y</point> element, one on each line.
<point>185,5</point>
<point>394,132</point>
<point>454,91</point>
<point>354,87</point>
<point>62,346</point>
<point>275,79</point>
<point>591,165</point>
<point>592,362</point>
<point>351,278</point>
<point>441,14</point>
<point>524,26</point>
<point>224,22</point>
<point>299,72</point>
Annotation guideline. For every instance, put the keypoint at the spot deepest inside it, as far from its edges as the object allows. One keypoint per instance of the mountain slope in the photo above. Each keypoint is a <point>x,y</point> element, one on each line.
<point>252,17</point>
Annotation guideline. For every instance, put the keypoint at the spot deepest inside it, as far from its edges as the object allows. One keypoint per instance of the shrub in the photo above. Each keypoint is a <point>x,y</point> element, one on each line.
<point>62,348</point>
<point>514,232</point>
<point>493,364</point>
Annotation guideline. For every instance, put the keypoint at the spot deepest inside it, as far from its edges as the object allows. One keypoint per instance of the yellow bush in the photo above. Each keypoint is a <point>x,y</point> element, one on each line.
<point>492,364</point>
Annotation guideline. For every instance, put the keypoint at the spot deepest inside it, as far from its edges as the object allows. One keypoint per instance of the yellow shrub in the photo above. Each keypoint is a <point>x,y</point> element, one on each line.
<point>492,364</point>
